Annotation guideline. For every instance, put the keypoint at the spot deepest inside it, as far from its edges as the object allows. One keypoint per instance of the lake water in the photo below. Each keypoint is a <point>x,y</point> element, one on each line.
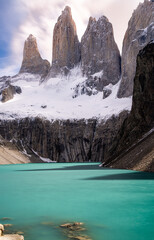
<point>113,204</point>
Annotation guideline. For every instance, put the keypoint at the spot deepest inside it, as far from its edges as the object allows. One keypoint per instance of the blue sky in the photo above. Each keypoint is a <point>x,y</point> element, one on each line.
<point>10,18</point>
<point>19,18</point>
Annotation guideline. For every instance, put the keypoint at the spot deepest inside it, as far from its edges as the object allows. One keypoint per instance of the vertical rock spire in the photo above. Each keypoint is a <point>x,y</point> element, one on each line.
<point>66,47</point>
<point>32,61</point>
<point>99,52</point>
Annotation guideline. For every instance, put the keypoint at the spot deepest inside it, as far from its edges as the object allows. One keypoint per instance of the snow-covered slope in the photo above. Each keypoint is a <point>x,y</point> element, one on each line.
<point>53,99</point>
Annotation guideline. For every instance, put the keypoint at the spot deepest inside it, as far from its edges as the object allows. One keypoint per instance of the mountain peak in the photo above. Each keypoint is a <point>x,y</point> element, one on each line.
<point>67,9</point>
<point>66,47</point>
<point>31,37</point>
<point>32,61</point>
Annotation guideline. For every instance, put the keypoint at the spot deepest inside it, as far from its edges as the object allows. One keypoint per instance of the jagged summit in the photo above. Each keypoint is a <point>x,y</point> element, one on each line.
<point>32,61</point>
<point>67,10</point>
<point>139,33</point>
<point>30,48</point>
<point>100,54</point>
<point>31,37</point>
<point>66,47</point>
<point>66,13</point>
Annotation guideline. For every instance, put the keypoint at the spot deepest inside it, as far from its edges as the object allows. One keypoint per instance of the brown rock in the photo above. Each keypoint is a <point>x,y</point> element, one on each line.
<point>139,33</point>
<point>66,47</point>
<point>99,52</point>
<point>71,225</point>
<point>8,92</point>
<point>72,231</point>
<point>32,61</point>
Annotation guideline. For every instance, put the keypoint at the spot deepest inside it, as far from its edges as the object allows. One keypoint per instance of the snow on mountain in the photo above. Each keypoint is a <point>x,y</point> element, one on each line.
<point>53,99</point>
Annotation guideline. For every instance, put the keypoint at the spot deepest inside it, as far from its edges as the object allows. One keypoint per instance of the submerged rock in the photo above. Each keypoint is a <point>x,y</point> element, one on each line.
<point>8,225</point>
<point>75,225</point>
<point>6,218</point>
<point>72,231</point>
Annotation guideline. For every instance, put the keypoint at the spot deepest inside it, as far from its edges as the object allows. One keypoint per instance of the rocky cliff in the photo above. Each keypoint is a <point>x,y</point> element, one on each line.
<point>66,47</point>
<point>140,123</point>
<point>63,141</point>
<point>32,61</point>
<point>139,33</point>
<point>99,52</point>
<point>10,154</point>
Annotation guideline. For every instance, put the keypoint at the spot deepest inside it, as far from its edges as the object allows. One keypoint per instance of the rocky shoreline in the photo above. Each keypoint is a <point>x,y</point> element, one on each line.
<point>4,236</point>
<point>71,230</point>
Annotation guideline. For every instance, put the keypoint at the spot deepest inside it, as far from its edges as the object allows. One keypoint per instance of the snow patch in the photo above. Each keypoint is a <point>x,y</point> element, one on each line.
<point>98,74</point>
<point>56,95</point>
<point>48,160</point>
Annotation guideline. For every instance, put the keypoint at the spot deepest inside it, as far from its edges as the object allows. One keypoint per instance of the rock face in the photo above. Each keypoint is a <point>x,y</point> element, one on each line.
<point>64,141</point>
<point>100,57</point>
<point>141,117</point>
<point>32,61</point>
<point>139,33</point>
<point>7,91</point>
<point>66,47</point>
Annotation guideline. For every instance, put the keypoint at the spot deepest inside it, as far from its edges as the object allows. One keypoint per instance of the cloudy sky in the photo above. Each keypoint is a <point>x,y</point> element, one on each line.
<point>19,18</point>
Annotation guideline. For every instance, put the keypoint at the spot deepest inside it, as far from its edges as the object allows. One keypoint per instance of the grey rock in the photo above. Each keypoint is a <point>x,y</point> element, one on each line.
<point>106,92</point>
<point>64,141</point>
<point>139,33</point>
<point>99,52</point>
<point>140,121</point>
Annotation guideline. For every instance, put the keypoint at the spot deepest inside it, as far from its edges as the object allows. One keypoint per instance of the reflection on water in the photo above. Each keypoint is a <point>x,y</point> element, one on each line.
<point>58,193</point>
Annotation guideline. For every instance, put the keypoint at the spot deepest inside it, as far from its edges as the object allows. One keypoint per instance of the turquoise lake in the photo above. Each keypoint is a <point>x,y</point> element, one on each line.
<point>113,204</point>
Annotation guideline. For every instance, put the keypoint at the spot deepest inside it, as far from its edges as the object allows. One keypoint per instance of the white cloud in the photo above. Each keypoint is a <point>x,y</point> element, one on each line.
<point>9,70</point>
<point>39,18</point>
